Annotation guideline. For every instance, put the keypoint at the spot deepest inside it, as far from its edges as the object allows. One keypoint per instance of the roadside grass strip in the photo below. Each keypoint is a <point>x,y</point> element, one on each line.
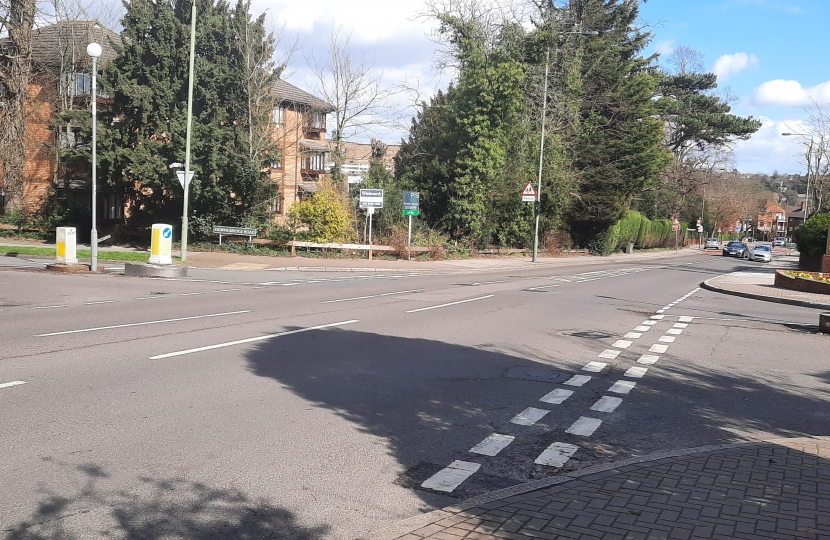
<point>606,404</point>
<point>594,367</point>
<point>584,426</point>
<point>577,380</point>
<point>622,387</point>
<point>13,383</point>
<point>529,416</point>
<point>557,454</point>
<point>448,479</point>
<point>252,340</point>
<point>492,445</point>
<point>556,397</point>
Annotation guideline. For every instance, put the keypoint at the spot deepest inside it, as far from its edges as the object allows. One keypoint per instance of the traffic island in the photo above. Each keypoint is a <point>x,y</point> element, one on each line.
<point>154,270</point>
<point>71,268</point>
<point>809,282</point>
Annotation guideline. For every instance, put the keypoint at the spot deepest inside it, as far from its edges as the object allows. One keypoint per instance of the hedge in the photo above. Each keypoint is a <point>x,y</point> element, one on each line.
<point>811,238</point>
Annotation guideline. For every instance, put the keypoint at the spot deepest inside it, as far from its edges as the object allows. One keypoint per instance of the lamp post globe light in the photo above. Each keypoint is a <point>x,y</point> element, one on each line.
<point>94,51</point>
<point>538,204</point>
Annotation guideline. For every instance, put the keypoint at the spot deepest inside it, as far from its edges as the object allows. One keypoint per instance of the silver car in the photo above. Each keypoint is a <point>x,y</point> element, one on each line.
<point>711,243</point>
<point>762,253</point>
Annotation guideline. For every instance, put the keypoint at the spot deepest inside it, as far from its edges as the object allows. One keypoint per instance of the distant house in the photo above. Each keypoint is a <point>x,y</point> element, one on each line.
<point>773,222</point>
<point>358,156</point>
<point>299,133</point>
<point>795,217</point>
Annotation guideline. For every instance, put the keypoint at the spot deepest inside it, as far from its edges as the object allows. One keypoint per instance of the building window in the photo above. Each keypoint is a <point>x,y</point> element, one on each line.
<point>275,206</point>
<point>73,139</point>
<point>276,163</point>
<point>318,121</point>
<point>76,84</point>
<point>279,115</point>
<point>314,162</point>
<point>115,209</point>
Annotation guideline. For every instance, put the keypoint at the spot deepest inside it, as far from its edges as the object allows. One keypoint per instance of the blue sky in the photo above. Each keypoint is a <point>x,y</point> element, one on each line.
<point>771,53</point>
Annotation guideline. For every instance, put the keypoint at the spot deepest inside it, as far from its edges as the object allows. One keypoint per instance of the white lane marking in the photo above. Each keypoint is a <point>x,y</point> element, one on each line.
<point>584,426</point>
<point>51,307</point>
<point>642,328</point>
<point>450,478</point>
<point>622,344</point>
<point>227,290</point>
<point>529,416</point>
<point>146,323</point>
<point>13,383</point>
<point>622,387</point>
<point>541,287</point>
<point>451,303</point>
<point>658,317</point>
<point>649,323</point>
<point>659,349</point>
<point>661,311</point>
<point>674,331</point>
<point>686,319</point>
<point>99,302</point>
<point>251,340</point>
<point>492,445</point>
<point>149,297</point>
<point>666,339</point>
<point>681,325</point>
<point>577,380</point>
<point>636,372</point>
<point>557,396</point>
<point>594,367</point>
<point>191,293</point>
<point>557,454</point>
<point>633,335</point>
<point>606,404</point>
<point>371,296</point>
<point>609,354</point>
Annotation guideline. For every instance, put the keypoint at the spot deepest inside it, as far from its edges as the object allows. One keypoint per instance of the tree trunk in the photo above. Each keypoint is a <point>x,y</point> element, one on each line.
<point>15,71</point>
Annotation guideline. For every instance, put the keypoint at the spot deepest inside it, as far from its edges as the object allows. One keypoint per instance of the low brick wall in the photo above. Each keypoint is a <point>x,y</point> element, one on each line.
<point>784,281</point>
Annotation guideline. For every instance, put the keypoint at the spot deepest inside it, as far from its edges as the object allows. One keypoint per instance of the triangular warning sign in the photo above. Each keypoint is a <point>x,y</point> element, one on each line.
<point>529,190</point>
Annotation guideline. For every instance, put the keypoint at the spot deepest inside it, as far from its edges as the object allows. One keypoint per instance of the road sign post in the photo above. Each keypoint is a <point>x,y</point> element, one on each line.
<point>371,199</point>
<point>676,228</point>
<point>411,207</point>
<point>161,244</point>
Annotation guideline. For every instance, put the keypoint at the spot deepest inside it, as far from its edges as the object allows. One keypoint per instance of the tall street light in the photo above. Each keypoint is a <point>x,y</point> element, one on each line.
<point>187,173</point>
<point>538,203</point>
<point>94,51</point>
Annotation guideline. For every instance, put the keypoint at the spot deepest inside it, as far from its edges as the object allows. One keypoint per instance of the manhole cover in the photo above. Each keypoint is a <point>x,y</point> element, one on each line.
<point>590,334</point>
<point>533,374</point>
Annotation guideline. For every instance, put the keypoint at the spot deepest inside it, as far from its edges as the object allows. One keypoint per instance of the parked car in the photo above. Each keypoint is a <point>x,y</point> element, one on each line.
<point>761,253</point>
<point>711,243</point>
<point>735,249</point>
<point>780,241</point>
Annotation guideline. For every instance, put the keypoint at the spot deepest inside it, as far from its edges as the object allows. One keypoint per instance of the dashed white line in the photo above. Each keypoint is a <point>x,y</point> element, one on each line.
<point>642,328</point>
<point>635,372</point>
<point>51,307</point>
<point>226,290</point>
<point>99,302</point>
<point>13,383</point>
<point>529,416</point>
<point>674,331</point>
<point>584,426</point>
<point>666,339</point>
<point>661,311</point>
<point>451,303</point>
<point>686,319</point>
<point>659,349</point>
<point>371,296</point>
<point>594,367</point>
<point>145,323</point>
<point>621,344</point>
<point>658,317</point>
<point>577,380</point>
<point>191,293</point>
<point>622,387</point>
<point>649,323</point>
<point>633,335</point>
<point>149,297</point>
<point>681,325</point>
<point>606,404</point>
<point>609,354</point>
<point>450,478</point>
<point>492,445</point>
<point>556,397</point>
<point>251,340</point>
<point>557,454</point>
<point>540,287</point>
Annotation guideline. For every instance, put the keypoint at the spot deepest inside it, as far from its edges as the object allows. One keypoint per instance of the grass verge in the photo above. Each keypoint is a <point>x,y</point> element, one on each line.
<point>138,256</point>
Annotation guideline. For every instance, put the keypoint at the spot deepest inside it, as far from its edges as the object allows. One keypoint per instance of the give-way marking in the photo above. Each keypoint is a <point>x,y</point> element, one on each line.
<point>251,340</point>
<point>145,323</point>
<point>451,303</point>
<point>13,383</point>
<point>371,296</point>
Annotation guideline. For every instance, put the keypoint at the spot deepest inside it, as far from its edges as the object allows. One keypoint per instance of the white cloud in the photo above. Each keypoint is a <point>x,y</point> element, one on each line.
<point>790,94</point>
<point>728,64</point>
<point>768,150</point>
<point>664,48</point>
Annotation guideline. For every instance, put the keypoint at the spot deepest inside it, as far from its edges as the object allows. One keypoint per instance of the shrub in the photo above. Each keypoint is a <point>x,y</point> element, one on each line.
<point>327,214</point>
<point>811,238</point>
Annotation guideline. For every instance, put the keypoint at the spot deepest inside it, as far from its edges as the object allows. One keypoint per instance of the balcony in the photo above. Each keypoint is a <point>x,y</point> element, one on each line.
<point>314,123</point>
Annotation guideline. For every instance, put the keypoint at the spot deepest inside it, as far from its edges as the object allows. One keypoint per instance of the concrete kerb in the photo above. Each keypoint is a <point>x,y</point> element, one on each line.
<point>412,524</point>
<point>709,285</point>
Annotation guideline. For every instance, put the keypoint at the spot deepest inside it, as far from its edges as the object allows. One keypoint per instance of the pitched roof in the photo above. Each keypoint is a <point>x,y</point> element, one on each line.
<point>287,92</point>
<point>64,43</point>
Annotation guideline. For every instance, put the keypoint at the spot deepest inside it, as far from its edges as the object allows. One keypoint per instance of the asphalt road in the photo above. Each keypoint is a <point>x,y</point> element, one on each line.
<point>298,405</point>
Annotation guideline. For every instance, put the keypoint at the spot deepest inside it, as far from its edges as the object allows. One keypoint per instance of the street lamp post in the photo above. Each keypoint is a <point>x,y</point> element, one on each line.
<point>538,203</point>
<point>94,51</point>
<point>187,174</point>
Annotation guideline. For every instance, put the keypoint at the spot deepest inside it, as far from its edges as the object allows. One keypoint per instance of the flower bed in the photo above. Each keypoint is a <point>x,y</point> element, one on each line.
<point>811,282</point>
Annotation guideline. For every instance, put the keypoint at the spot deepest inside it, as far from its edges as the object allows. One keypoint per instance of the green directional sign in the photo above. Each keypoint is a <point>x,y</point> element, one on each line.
<point>411,202</point>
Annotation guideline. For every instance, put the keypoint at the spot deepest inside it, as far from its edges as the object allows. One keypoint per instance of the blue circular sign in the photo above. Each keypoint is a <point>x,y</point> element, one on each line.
<point>167,232</point>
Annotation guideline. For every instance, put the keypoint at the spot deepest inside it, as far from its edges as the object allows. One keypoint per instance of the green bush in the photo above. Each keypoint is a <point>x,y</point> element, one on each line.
<point>811,238</point>
<point>327,214</point>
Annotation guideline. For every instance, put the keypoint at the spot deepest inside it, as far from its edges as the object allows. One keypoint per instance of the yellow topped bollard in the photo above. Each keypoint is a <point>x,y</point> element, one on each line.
<point>67,247</point>
<point>161,244</point>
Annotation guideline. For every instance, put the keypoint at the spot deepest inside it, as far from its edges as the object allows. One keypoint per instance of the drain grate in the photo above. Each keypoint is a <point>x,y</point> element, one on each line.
<point>589,334</point>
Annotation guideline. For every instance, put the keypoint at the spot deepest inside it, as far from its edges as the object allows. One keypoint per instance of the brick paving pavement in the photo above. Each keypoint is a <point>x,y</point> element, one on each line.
<point>758,285</point>
<point>779,489</point>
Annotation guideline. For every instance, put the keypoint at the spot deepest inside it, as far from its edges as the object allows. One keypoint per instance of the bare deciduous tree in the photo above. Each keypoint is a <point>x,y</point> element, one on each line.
<point>686,60</point>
